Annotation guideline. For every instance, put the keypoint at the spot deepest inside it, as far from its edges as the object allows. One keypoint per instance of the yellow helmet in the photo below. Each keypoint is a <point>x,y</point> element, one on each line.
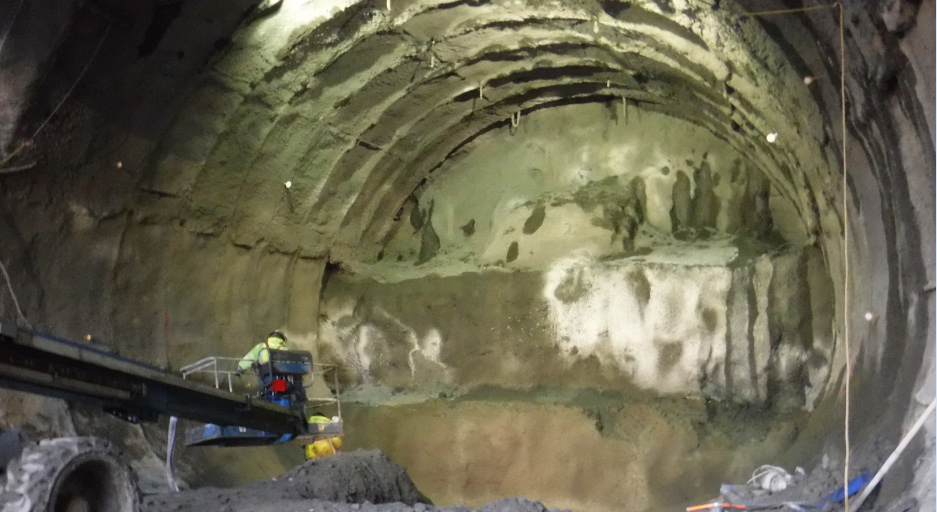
<point>276,339</point>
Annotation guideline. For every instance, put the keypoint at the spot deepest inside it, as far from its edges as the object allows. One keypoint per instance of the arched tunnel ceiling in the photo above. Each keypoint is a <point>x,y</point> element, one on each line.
<point>361,110</point>
<point>194,244</point>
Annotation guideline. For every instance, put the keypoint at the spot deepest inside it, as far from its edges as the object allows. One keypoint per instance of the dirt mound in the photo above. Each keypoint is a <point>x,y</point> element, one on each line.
<point>362,481</point>
<point>357,477</point>
<point>504,505</point>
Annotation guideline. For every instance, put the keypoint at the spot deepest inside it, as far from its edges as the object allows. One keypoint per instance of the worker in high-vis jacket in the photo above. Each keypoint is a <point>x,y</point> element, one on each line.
<point>322,445</point>
<point>261,352</point>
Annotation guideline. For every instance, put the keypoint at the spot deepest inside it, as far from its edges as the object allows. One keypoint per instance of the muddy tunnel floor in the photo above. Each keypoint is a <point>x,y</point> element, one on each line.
<point>370,481</point>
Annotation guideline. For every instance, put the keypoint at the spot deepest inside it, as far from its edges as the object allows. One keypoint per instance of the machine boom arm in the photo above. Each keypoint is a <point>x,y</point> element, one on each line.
<point>49,366</point>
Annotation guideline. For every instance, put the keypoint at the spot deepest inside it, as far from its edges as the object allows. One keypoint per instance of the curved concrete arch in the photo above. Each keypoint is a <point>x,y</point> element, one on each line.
<point>483,81</point>
<point>346,95</point>
<point>348,173</point>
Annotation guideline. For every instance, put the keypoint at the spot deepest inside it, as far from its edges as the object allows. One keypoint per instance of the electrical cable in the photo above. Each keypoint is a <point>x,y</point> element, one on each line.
<point>846,272</point>
<point>62,101</point>
<point>17,168</point>
<point>846,348</point>
<point>80,76</point>
<point>3,41</point>
<point>16,14</point>
<point>16,302</point>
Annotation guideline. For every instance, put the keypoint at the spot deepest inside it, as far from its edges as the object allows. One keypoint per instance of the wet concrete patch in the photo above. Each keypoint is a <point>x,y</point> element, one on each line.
<point>710,319</point>
<point>512,252</point>
<point>533,223</point>
<point>573,287</point>
<point>469,228</point>
<point>640,286</point>
<point>670,354</point>
<point>429,240</point>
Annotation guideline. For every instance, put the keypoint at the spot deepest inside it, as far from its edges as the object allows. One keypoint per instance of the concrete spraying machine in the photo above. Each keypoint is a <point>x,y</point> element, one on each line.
<point>88,473</point>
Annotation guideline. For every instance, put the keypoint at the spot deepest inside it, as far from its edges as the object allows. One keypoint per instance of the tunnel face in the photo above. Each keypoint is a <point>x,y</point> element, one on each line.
<point>592,253</point>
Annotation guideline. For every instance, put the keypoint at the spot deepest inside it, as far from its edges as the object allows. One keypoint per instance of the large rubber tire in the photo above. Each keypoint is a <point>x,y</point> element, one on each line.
<point>71,474</point>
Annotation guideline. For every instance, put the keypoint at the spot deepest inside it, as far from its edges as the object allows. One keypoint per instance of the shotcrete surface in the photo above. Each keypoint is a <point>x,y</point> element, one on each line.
<point>635,187</point>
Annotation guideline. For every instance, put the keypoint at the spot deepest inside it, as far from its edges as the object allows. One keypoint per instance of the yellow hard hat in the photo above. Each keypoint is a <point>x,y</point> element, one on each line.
<point>276,338</point>
<point>319,418</point>
<point>277,334</point>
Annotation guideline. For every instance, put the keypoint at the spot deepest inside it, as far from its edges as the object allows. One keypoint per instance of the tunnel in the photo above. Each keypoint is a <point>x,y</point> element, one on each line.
<point>602,254</point>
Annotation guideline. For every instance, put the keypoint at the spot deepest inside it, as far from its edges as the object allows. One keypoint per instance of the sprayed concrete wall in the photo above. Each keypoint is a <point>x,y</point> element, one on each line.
<point>624,377</point>
<point>583,180</point>
<point>719,332</point>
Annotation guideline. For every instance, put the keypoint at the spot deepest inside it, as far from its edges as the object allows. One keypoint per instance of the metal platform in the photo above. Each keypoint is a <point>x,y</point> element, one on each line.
<point>223,370</point>
<point>218,435</point>
<point>334,428</point>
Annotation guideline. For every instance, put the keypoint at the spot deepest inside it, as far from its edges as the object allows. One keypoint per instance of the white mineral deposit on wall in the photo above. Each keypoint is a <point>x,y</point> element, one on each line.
<point>661,326</point>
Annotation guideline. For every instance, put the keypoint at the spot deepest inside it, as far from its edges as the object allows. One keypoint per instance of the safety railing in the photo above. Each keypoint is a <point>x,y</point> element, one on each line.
<point>311,402</point>
<point>220,368</point>
<point>224,369</point>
